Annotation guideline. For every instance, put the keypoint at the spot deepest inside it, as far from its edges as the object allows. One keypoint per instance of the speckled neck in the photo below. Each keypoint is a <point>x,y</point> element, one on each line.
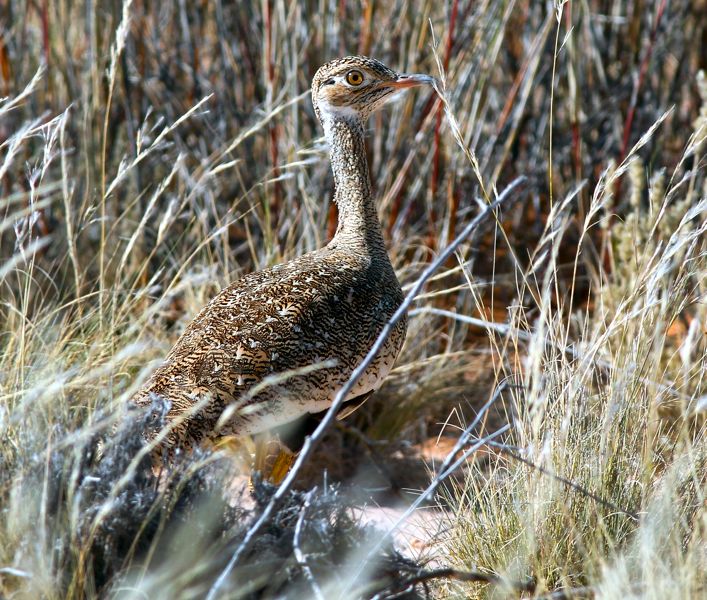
<point>358,225</point>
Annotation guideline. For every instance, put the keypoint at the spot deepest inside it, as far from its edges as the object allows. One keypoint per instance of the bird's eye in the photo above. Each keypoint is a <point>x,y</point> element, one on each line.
<point>354,77</point>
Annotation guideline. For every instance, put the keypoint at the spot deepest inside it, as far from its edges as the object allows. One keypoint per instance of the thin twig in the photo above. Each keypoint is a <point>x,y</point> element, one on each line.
<point>312,441</point>
<point>299,555</point>
<point>527,336</point>
<point>471,576</point>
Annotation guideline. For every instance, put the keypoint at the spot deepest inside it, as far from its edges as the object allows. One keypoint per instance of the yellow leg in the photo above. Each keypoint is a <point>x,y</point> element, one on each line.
<point>282,464</point>
<point>265,454</point>
<point>243,448</point>
<point>273,459</point>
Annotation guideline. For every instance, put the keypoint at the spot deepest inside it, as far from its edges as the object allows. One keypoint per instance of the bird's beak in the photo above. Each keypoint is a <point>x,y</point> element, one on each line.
<point>407,80</point>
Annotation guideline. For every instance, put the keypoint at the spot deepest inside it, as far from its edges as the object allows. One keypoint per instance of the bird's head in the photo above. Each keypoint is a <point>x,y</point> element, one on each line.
<point>356,86</point>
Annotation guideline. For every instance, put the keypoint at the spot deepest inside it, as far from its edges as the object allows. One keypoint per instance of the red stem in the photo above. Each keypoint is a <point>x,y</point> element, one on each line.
<point>45,31</point>
<point>637,88</point>
<point>273,129</point>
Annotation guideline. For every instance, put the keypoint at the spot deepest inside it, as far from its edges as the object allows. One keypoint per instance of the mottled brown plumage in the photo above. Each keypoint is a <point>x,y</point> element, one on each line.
<point>279,343</point>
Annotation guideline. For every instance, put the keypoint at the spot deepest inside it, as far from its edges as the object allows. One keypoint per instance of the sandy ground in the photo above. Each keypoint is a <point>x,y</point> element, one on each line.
<point>415,537</point>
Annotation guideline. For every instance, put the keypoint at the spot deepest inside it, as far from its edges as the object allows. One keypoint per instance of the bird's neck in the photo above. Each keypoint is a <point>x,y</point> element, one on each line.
<point>358,221</point>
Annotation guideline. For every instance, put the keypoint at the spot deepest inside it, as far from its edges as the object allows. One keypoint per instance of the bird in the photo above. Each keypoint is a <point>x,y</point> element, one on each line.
<point>279,343</point>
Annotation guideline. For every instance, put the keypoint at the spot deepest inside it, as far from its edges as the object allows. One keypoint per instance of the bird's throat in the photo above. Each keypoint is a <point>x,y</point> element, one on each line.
<point>358,220</point>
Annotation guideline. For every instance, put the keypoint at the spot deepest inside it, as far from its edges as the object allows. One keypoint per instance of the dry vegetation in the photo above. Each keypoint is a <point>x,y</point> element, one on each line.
<point>152,152</point>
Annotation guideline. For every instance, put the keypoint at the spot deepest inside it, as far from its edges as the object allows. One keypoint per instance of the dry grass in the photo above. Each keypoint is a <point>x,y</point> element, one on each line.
<point>150,153</point>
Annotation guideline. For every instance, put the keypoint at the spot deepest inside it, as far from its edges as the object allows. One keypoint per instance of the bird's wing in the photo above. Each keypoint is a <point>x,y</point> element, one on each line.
<point>272,322</point>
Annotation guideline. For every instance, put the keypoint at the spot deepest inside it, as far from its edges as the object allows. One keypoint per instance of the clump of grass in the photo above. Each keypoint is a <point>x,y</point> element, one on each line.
<point>600,487</point>
<point>109,528</point>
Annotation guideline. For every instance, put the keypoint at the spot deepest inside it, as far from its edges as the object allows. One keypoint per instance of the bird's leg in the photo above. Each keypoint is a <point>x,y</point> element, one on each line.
<point>276,452</point>
<point>281,464</point>
<point>241,446</point>
<point>272,458</point>
<point>264,453</point>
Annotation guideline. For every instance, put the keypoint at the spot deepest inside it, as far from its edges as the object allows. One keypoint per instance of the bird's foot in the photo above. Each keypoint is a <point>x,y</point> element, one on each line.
<point>266,454</point>
<point>273,459</point>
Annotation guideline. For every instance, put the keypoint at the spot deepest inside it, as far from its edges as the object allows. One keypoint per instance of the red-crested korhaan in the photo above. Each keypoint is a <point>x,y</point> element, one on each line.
<point>279,343</point>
